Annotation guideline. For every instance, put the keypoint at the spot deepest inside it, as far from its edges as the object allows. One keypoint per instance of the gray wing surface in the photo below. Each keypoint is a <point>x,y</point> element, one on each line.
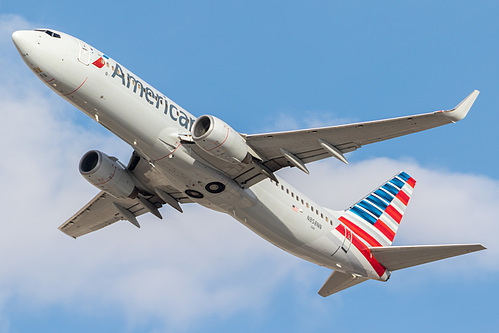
<point>339,281</point>
<point>297,148</point>
<point>101,212</point>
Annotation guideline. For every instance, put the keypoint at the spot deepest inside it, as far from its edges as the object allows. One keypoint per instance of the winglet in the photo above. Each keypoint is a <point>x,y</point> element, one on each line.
<point>461,110</point>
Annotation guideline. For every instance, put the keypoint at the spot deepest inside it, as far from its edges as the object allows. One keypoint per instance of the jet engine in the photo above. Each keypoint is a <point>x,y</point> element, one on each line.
<point>107,174</point>
<point>220,140</point>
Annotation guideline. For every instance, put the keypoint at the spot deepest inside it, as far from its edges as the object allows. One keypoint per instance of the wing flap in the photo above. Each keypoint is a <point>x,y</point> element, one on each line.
<point>398,257</point>
<point>101,212</point>
<point>339,281</point>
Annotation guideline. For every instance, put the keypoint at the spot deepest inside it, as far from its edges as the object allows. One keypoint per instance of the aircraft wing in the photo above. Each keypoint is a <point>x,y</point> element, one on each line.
<point>306,144</point>
<point>297,148</point>
<point>104,209</point>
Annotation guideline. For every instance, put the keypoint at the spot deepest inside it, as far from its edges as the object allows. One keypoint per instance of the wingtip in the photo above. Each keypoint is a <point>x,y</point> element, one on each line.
<point>462,109</point>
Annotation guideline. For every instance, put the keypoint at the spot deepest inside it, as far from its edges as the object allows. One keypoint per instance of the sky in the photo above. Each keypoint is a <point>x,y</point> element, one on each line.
<point>260,66</point>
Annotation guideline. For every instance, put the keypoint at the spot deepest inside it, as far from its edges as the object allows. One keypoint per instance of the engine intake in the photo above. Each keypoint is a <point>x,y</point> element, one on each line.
<point>107,174</point>
<point>218,139</point>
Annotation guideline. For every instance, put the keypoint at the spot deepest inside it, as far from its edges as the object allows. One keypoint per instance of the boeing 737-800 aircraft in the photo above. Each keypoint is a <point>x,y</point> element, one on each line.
<point>178,158</point>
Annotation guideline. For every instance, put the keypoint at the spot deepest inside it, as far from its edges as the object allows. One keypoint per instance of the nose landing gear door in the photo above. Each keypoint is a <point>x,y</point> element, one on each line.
<point>84,55</point>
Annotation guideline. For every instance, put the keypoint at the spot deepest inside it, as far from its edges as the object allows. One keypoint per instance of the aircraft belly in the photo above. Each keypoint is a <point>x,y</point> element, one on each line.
<point>287,229</point>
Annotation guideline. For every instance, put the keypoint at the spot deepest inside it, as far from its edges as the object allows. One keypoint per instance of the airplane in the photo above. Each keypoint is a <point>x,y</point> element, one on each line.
<point>178,158</point>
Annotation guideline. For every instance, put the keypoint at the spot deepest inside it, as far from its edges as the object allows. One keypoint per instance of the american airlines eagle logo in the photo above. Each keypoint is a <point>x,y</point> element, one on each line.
<point>99,63</point>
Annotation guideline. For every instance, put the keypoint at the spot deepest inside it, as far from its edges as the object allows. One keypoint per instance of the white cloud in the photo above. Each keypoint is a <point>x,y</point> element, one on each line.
<point>189,266</point>
<point>186,267</point>
<point>282,121</point>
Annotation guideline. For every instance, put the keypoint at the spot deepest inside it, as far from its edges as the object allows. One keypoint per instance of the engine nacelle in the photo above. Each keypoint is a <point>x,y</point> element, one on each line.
<point>220,140</point>
<point>107,174</point>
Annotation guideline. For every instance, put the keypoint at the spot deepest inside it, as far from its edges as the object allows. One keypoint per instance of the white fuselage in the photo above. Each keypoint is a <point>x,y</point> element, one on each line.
<point>146,119</point>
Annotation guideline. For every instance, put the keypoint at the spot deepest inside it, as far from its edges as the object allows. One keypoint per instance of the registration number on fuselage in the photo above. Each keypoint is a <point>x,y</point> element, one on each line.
<point>314,223</point>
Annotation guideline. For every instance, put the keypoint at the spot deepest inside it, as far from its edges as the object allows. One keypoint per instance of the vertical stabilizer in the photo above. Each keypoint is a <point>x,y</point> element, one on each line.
<point>376,218</point>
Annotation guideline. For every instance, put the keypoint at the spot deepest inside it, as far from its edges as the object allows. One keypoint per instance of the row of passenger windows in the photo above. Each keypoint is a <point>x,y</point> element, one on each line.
<point>304,203</point>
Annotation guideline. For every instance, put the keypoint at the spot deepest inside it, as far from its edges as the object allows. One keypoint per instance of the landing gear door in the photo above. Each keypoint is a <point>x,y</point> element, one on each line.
<point>84,55</point>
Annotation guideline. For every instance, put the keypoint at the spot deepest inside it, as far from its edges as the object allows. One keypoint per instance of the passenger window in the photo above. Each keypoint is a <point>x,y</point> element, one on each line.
<point>302,201</point>
<point>287,191</point>
<point>322,216</point>
<point>282,187</point>
<point>307,204</point>
<point>312,208</point>
<point>292,195</point>
<point>327,220</point>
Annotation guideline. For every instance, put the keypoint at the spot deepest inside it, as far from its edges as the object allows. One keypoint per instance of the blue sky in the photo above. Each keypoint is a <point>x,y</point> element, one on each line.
<point>261,66</point>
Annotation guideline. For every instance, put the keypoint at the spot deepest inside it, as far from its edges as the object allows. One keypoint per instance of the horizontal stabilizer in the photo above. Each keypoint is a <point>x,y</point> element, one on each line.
<point>338,281</point>
<point>398,257</point>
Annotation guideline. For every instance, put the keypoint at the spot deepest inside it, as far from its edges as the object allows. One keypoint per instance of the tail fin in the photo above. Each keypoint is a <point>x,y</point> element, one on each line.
<point>376,218</point>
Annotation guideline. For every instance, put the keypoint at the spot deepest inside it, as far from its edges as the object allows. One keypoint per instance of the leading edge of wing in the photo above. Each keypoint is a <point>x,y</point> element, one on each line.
<point>455,114</point>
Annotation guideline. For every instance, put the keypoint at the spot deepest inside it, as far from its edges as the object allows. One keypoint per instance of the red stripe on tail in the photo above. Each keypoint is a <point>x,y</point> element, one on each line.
<point>403,197</point>
<point>360,232</point>
<point>381,226</point>
<point>380,270</point>
<point>395,214</point>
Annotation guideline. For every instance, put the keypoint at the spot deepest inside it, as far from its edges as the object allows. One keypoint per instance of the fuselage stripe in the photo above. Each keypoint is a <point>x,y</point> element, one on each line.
<point>360,232</point>
<point>362,248</point>
<point>159,159</point>
<point>76,88</point>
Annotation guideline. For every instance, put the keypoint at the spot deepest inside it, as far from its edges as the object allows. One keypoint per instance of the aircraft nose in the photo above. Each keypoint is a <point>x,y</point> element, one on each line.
<point>22,39</point>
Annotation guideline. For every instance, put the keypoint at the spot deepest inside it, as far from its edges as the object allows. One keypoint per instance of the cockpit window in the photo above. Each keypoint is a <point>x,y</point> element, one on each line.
<point>50,33</point>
